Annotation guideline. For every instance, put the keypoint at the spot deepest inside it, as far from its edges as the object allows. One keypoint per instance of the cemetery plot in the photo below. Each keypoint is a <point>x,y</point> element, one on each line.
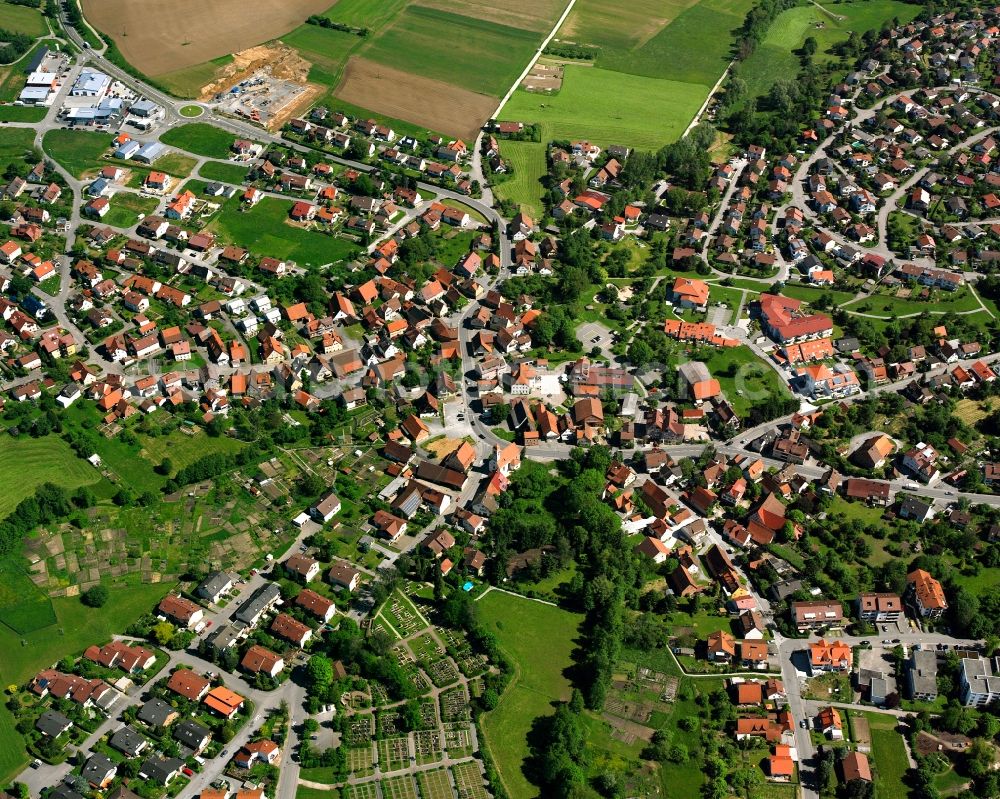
<point>443,672</point>
<point>469,781</point>
<point>402,615</point>
<point>435,784</point>
<point>428,715</point>
<point>360,761</point>
<point>425,647</point>
<point>458,740</point>
<point>365,790</point>
<point>361,731</point>
<point>428,745</point>
<point>388,722</point>
<point>455,704</point>
<point>394,753</point>
<point>401,787</point>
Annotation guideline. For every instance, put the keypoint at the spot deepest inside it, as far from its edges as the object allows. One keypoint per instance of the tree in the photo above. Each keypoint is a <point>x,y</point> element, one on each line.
<point>319,670</point>
<point>163,633</point>
<point>95,597</point>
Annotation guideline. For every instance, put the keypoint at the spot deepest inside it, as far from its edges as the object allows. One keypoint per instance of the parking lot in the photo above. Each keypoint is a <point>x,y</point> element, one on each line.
<point>594,334</point>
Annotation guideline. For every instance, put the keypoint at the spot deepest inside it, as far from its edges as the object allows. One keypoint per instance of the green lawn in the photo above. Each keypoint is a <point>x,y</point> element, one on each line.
<point>304,792</point>
<point>191,111</point>
<point>527,159</point>
<point>775,58</point>
<point>21,113</point>
<point>808,293</point>
<point>744,378</point>
<point>539,638</point>
<point>227,173</point>
<point>184,449</point>
<point>77,627</point>
<point>891,307</point>
<point>77,150</point>
<point>126,207</point>
<point>610,108</point>
<point>200,138</point>
<point>475,54</point>
<point>15,143</point>
<point>26,463</point>
<point>22,19</point>
<point>888,757</point>
<point>266,229</point>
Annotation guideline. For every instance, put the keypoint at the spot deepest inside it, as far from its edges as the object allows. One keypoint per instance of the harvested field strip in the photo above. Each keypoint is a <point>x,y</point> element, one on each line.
<point>188,82</point>
<point>619,26</point>
<point>148,36</point>
<point>428,103</point>
<point>538,16</point>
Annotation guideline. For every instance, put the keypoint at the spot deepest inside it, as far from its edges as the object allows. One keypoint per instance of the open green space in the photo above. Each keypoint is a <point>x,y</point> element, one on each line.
<point>21,113</point>
<point>539,638</point>
<point>610,108</point>
<point>809,293</point>
<point>76,627</point>
<point>126,207</point>
<point>527,159</point>
<point>22,19</point>
<point>744,378</point>
<point>199,138</point>
<point>227,173</point>
<point>15,143</point>
<point>76,150</point>
<point>619,27</point>
<point>477,54</point>
<point>326,49</point>
<point>26,463</point>
<point>265,227</point>
<point>24,608</point>
<point>891,307</point>
<point>191,111</point>
<point>776,57</point>
<point>888,757</point>
<point>184,449</point>
<point>189,81</point>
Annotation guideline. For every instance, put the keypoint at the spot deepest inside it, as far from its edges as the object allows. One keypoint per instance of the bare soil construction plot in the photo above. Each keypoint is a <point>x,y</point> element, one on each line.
<point>430,103</point>
<point>160,36</point>
<point>543,78</point>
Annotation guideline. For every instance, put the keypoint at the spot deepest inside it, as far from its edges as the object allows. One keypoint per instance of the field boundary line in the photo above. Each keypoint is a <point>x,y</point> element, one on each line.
<point>535,57</point>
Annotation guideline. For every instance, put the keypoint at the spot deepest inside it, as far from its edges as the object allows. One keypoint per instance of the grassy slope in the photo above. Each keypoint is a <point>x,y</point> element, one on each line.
<point>756,380</point>
<point>27,463</point>
<point>611,108</point>
<point>539,638</point>
<point>77,150</point>
<point>78,627</point>
<point>22,19</point>
<point>528,162</point>
<point>184,450</point>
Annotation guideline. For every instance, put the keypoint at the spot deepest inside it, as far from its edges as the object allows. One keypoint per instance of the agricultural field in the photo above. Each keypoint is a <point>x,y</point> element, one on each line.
<point>619,27</point>
<point>888,757</point>
<point>148,37</point>
<point>126,207</point>
<point>22,19</point>
<point>525,188</point>
<point>199,138</point>
<point>26,463</point>
<point>326,49</point>
<point>610,108</point>
<point>266,228</point>
<point>776,57</point>
<point>539,638</point>
<point>188,81</point>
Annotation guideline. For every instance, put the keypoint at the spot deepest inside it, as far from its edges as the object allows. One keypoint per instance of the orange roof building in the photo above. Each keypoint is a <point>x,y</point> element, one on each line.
<point>223,701</point>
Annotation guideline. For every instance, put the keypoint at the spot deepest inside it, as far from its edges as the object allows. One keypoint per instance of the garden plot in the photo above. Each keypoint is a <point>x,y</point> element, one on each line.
<point>401,787</point>
<point>435,784</point>
<point>428,745</point>
<point>425,647</point>
<point>394,753</point>
<point>469,781</point>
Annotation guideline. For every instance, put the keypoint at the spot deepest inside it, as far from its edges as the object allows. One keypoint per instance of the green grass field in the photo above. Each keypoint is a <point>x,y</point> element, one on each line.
<point>539,638</point>
<point>187,82</point>
<point>126,207</point>
<point>192,111</point>
<point>199,138</point>
<point>24,608</point>
<point>15,143</point>
<point>888,757</point>
<point>183,449</point>
<point>527,158</point>
<point>776,58</point>
<point>472,53</point>
<point>28,462</point>
<point>22,19</point>
<point>21,113</point>
<point>619,27</point>
<point>77,150</point>
<point>744,379</point>
<point>325,48</point>
<point>610,108</point>
<point>78,627</point>
<point>228,173</point>
<point>265,227</point>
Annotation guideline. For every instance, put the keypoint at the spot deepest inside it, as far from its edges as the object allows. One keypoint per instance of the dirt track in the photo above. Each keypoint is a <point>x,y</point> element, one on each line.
<point>425,102</point>
<point>160,36</point>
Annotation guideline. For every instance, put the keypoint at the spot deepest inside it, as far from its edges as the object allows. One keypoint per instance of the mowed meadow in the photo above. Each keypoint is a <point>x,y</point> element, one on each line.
<point>655,63</point>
